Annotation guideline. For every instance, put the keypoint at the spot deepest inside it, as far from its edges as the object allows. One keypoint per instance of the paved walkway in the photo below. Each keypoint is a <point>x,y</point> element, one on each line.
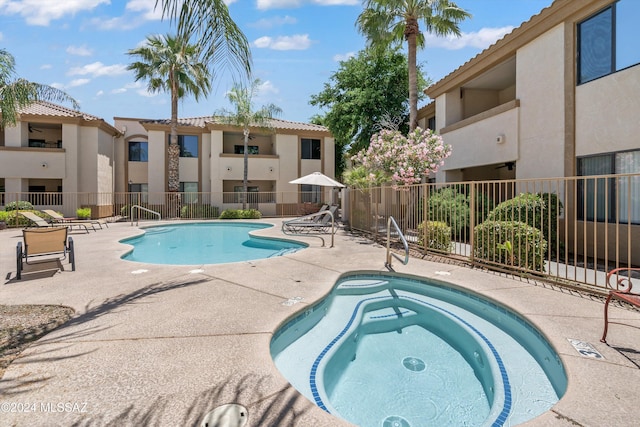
<point>163,345</point>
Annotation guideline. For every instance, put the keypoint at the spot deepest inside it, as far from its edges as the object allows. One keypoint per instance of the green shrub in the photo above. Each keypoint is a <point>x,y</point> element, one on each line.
<point>538,210</point>
<point>525,248</point>
<point>241,214</point>
<point>452,205</point>
<point>83,213</point>
<point>437,234</point>
<point>199,211</point>
<point>20,205</point>
<point>13,219</point>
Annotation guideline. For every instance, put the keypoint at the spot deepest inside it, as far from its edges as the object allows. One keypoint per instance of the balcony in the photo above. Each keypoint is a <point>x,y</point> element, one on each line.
<point>490,137</point>
<point>31,162</point>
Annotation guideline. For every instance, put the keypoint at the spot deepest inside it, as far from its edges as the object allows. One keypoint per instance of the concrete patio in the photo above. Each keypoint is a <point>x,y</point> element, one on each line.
<point>164,345</point>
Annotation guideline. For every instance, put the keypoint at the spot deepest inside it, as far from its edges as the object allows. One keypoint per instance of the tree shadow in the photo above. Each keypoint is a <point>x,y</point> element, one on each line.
<point>65,332</point>
<point>282,407</point>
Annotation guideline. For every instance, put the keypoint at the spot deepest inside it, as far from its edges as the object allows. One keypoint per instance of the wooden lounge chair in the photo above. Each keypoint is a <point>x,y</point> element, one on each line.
<point>56,217</point>
<point>622,292</point>
<point>39,222</point>
<point>48,242</point>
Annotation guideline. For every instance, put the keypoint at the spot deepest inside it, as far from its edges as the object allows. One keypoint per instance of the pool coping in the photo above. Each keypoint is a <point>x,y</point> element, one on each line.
<point>140,324</point>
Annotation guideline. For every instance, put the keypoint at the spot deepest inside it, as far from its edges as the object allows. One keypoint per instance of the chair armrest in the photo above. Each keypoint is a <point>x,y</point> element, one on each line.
<point>622,283</point>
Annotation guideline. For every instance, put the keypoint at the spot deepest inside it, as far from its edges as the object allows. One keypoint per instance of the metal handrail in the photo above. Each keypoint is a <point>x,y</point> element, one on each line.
<point>144,209</point>
<point>404,242</point>
<point>312,215</point>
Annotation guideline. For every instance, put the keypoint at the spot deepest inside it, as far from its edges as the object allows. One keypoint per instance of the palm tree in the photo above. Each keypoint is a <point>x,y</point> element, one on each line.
<point>221,39</point>
<point>17,93</point>
<point>387,22</point>
<point>171,64</point>
<point>244,116</point>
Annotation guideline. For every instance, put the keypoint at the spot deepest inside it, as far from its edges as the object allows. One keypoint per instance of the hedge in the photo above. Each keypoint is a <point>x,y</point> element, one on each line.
<point>438,235</point>
<point>241,214</point>
<point>527,245</point>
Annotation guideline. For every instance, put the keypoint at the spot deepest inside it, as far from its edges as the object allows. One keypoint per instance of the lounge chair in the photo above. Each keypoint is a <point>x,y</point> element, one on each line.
<point>56,217</point>
<point>49,242</point>
<point>40,222</point>
<point>317,223</point>
<point>622,292</point>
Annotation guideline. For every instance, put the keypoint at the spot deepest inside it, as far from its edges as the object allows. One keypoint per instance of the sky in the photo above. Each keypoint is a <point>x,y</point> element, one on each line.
<point>80,46</point>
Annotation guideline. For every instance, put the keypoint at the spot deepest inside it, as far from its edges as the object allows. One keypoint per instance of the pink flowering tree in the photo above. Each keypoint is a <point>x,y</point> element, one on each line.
<point>402,161</point>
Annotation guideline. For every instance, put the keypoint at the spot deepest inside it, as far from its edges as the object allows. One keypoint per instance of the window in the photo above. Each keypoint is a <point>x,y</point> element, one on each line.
<point>188,145</point>
<point>311,148</point>
<point>601,199</point>
<point>431,123</point>
<point>311,193</point>
<point>239,149</point>
<point>606,41</point>
<point>138,151</point>
<point>39,143</point>
<point>238,194</point>
<point>189,192</point>
<point>143,193</point>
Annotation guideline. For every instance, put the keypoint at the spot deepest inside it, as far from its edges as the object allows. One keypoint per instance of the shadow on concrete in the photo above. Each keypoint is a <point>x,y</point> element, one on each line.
<point>76,328</point>
<point>273,409</point>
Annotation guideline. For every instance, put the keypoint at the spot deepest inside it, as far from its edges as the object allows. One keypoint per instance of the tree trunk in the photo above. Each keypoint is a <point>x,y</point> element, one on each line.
<point>245,175</point>
<point>410,33</point>
<point>173,151</point>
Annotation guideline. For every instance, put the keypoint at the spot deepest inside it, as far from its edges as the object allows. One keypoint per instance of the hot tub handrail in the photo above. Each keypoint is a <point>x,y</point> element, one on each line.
<point>144,209</point>
<point>392,221</point>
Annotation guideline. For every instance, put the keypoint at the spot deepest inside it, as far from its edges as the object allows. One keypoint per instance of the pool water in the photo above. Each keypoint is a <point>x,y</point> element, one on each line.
<point>389,350</point>
<point>205,243</point>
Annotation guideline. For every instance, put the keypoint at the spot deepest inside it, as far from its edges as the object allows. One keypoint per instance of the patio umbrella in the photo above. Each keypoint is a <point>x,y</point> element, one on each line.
<point>317,178</point>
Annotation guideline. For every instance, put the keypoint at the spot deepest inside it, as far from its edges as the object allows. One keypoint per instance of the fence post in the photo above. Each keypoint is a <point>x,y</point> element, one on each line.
<point>472,217</point>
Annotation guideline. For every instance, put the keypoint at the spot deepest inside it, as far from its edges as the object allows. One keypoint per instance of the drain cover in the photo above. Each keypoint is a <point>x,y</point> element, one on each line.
<point>395,421</point>
<point>413,364</point>
<point>230,415</point>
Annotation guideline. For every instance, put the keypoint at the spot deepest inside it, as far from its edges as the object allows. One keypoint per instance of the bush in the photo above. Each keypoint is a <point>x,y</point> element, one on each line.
<point>438,235</point>
<point>241,214</point>
<point>525,248</point>
<point>199,211</point>
<point>538,210</point>
<point>83,213</point>
<point>13,219</point>
<point>20,205</point>
<point>452,206</point>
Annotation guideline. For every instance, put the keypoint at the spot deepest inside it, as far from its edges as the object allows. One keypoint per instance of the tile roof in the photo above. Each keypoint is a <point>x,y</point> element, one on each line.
<point>44,108</point>
<point>202,122</point>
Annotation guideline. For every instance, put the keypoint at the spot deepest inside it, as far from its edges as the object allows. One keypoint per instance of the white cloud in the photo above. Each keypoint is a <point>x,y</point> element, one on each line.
<point>100,93</point>
<point>481,39</point>
<point>42,12</point>
<point>79,50</point>
<point>286,4</point>
<point>119,90</point>
<point>276,21</point>
<point>295,42</point>
<point>46,66</point>
<point>0,36</point>
<point>78,82</point>
<point>146,8</point>
<point>343,56</point>
<point>97,69</point>
<point>115,23</point>
<point>267,87</point>
<point>57,85</point>
<point>146,93</point>
<point>277,4</point>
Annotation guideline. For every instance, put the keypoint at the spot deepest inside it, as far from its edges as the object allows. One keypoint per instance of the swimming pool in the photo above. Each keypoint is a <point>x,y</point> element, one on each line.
<point>205,243</point>
<point>391,350</point>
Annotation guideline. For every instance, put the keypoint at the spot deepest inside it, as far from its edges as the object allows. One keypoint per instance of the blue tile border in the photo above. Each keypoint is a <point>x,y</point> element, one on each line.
<point>507,404</point>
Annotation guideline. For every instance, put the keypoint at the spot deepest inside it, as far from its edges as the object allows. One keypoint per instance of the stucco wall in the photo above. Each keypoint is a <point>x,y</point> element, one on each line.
<point>540,89</point>
<point>157,151</point>
<point>607,111</point>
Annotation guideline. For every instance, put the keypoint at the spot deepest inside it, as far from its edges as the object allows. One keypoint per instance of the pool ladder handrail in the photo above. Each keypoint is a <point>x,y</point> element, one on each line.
<point>392,221</point>
<point>143,209</point>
